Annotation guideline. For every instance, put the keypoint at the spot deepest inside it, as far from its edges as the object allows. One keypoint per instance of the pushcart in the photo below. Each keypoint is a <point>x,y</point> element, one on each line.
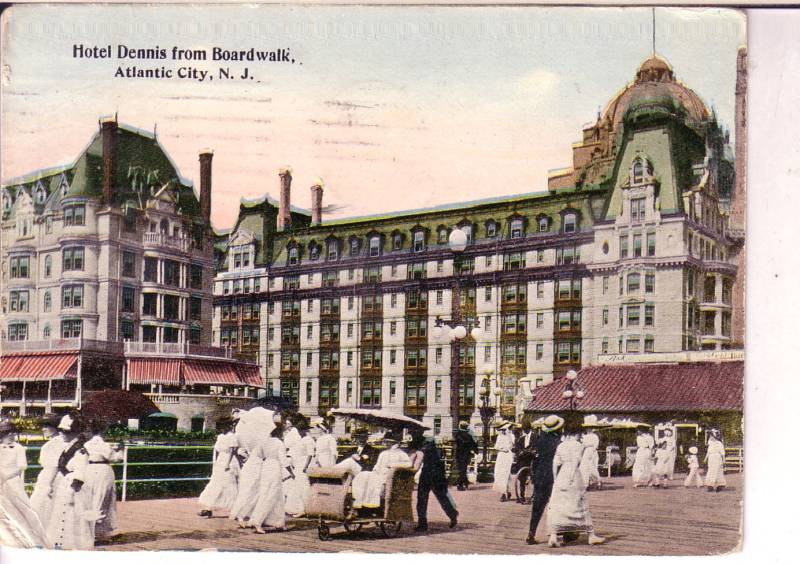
<point>331,502</point>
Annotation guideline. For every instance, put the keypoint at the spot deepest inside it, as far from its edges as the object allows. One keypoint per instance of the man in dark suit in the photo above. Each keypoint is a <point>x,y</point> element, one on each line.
<point>433,478</point>
<point>465,445</point>
<point>544,451</point>
<point>523,457</point>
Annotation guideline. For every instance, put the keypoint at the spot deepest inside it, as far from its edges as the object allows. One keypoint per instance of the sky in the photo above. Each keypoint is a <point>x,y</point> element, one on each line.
<point>392,107</point>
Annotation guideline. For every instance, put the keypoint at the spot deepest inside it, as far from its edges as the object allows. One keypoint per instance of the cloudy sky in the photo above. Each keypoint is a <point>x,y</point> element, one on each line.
<point>394,108</point>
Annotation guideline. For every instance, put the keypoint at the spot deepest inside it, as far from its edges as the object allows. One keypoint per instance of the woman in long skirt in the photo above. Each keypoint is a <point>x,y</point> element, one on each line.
<point>270,509</point>
<point>715,457</point>
<point>326,447</point>
<point>220,492</point>
<point>643,463</point>
<point>590,459</point>
<point>71,524</point>
<point>42,497</point>
<point>568,511</point>
<point>247,494</point>
<point>293,487</point>
<point>504,445</point>
<point>100,484</point>
<point>20,527</point>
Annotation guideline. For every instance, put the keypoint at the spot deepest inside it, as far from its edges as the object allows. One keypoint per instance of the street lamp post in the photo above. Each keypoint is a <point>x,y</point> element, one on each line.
<point>487,412</point>
<point>572,391</point>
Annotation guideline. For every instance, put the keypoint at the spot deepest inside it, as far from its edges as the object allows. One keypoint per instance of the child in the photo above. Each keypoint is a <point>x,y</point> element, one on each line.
<point>694,469</point>
<point>660,470</point>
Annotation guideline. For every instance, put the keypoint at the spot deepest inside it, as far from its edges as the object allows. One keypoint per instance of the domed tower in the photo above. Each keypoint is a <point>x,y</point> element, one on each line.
<point>593,158</point>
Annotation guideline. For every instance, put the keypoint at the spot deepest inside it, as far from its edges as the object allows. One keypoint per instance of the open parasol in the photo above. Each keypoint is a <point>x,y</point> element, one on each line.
<point>116,405</point>
<point>381,418</point>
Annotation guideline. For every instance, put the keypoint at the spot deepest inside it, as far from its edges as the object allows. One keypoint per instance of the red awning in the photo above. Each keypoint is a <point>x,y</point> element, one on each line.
<point>209,372</point>
<point>250,374</point>
<point>154,371</point>
<point>38,367</point>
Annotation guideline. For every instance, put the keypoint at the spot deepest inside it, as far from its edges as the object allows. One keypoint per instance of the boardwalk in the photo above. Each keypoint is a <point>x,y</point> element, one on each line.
<point>674,521</point>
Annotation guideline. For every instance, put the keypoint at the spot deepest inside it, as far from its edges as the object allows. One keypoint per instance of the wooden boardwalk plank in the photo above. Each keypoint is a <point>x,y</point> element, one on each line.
<point>672,521</point>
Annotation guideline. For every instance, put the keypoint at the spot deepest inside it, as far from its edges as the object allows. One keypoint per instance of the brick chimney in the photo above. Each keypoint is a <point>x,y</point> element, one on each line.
<point>284,211</point>
<point>108,133</point>
<point>316,203</point>
<point>206,155</point>
<point>738,207</point>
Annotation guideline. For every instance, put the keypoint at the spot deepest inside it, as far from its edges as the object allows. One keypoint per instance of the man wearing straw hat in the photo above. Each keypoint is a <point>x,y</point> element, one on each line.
<point>543,452</point>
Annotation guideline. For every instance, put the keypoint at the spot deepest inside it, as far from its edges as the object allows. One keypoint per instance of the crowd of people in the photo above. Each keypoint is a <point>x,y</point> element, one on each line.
<point>74,498</point>
<point>260,480</point>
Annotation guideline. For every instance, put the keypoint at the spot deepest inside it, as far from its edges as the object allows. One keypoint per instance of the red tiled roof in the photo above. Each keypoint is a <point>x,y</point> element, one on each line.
<point>695,386</point>
<point>41,366</point>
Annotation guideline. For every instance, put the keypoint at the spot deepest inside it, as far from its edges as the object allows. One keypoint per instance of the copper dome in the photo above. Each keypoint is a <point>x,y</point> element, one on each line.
<point>654,80</point>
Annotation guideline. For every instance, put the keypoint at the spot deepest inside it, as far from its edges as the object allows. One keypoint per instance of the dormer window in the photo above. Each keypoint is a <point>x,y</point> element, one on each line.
<point>517,228</point>
<point>419,241</point>
<point>467,229</point>
<point>354,247</point>
<point>637,210</point>
<point>442,237</point>
<point>6,201</point>
<point>570,222</point>
<point>544,224</point>
<point>333,250</point>
<point>294,256</point>
<point>313,251</point>
<point>375,246</point>
<point>397,242</point>
<point>638,172</point>
<point>491,228</point>
<point>41,195</point>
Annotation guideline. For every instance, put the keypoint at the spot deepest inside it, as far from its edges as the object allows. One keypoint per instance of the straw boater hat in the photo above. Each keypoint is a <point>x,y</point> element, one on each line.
<point>504,426</point>
<point>693,450</point>
<point>552,423</point>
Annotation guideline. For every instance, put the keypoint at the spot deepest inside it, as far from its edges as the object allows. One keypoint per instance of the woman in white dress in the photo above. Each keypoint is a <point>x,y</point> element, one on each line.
<point>270,508</point>
<point>100,483</point>
<point>368,486</point>
<point>42,497</point>
<point>220,492</point>
<point>643,463</point>
<point>715,458</point>
<point>504,445</point>
<point>20,527</point>
<point>293,488</point>
<point>252,426</point>
<point>672,451</point>
<point>568,511</point>
<point>71,523</point>
<point>590,459</point>
<point>327,448</point>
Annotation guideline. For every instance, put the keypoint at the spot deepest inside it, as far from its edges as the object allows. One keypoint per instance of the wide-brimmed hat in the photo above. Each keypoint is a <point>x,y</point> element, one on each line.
<point>504,426</point>
<point>552,423</point>
<point>70,423</point>
<point>693,450</point>
<point>463,425</point>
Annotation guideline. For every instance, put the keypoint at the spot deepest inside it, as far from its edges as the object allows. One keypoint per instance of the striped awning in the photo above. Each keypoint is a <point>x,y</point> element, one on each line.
<point>209,372</point>
<point>154,371</point>
<point>38,367</point>
<point>250,374</point>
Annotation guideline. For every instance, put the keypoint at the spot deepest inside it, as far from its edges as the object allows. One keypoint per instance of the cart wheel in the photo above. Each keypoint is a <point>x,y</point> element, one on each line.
<point>324,532</point>
<point>351,527</point>
<point>391,528</point>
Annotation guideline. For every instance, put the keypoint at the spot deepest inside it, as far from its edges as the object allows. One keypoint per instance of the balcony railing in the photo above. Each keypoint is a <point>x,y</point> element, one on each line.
<point>163,240</point>
<point>172,349</point>
<point>78,344</point>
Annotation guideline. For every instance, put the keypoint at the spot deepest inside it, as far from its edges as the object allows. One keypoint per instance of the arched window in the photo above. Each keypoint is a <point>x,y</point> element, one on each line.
<point>570,222</point>
<point>313,251</point>
<point>544,224</point>
<point>442,236</point>
<point>355,245</point>
<point>48,266</point>
<point>294,255</point>
<point>164,227</point>
<point>638,171</point>
<point>333,250</point>
<point>40,195</point>
<point>46,332</point>
<point>375,245</point>
<point>517,228</point>
<point>48,302</point>
<point>491,228</point>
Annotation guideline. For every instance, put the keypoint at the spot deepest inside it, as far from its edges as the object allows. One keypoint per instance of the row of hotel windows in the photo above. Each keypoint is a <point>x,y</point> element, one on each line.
<point>631,344</point>
<point>73,260</point>
<point>511,355</point>
<point>704,248</point>
<point>73,215</point>
<point>416,392</point>
<point>70,329</point>
<point>241,286</point>
<point>72,297</point>
<point>638,251</point>
<point>375,243</point>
